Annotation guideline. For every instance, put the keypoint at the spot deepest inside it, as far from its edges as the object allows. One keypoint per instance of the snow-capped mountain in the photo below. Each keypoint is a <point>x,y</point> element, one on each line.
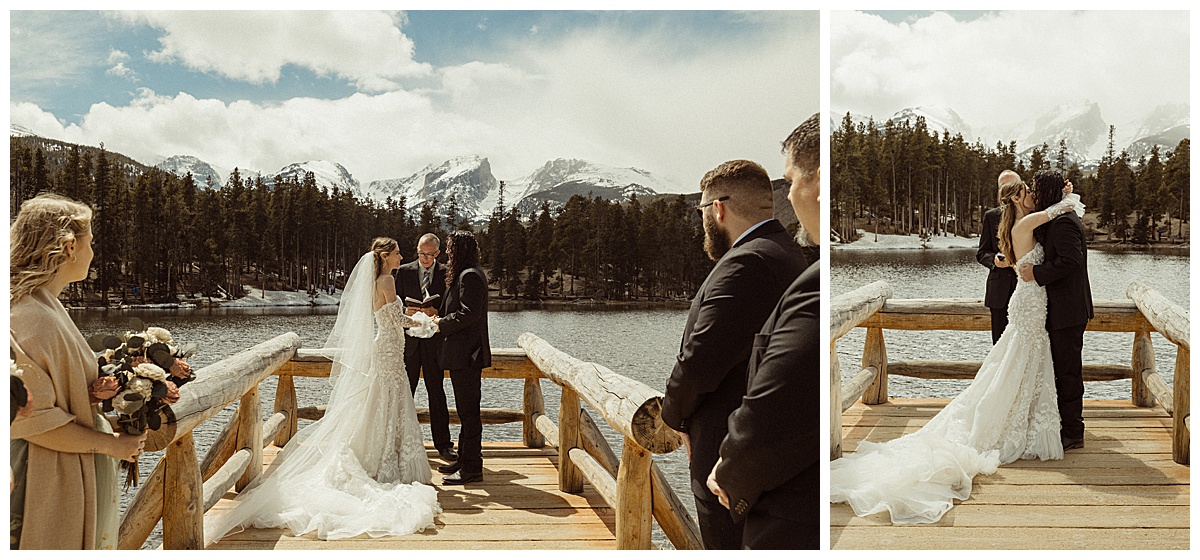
<point>1080,124</point>
<point>326,173</point>
<point>18,130</point>
<point>202,173</point>
<point>468,178</point>
<point>1165,126</point>
<point>558,180</point>
<point>477,191</point>
<point>937,119</point>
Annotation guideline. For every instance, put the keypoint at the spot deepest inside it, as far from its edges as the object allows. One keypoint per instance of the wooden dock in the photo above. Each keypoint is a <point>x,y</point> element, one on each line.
<point>517,506</point>
<point>1122,490</point>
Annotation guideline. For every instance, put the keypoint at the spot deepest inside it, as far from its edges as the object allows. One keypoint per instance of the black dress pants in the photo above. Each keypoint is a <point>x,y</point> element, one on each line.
<point>999,322</point>
<point>467,392</point>
<point>425,359</point>
<point>1066,350</point>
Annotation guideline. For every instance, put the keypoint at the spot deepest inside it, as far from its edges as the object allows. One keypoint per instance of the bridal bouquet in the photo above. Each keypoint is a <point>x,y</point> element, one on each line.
<point>141,371</point>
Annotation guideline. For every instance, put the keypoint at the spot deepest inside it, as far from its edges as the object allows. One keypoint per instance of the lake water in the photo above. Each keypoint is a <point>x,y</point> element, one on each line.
<point>954,273</point>
<point>637,344</point>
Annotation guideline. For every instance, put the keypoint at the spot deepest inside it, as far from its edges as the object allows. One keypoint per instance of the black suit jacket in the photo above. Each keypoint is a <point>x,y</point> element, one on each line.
<point>1001,282</point>
<point>1064,273</point>
<point>465,323</point>
<point>709,377</point>
<point>408,284</point>
<point>770,459</point>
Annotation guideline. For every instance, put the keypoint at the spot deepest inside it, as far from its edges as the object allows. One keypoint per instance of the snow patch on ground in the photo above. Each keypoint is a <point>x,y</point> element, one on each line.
<point>274,298</point>
<point>885,241</point>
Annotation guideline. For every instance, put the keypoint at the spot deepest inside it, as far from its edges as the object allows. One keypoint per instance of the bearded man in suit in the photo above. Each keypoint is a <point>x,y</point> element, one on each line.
<point>756,261</point>
<point>769,471</point>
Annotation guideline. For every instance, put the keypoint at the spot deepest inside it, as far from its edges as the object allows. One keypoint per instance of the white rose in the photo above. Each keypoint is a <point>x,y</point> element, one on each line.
<point>143,387</point>
<point>150,371</point>
<point>158,334</point>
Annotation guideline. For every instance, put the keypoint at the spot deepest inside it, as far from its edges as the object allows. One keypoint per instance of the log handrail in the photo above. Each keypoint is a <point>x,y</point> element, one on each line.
<point>175,491</point>
<point>1145,311</point>
<point>183,487</point>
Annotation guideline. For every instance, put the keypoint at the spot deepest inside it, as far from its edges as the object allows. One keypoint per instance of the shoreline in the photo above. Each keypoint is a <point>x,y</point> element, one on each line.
<point>493,305</point>
<point>892,242</point>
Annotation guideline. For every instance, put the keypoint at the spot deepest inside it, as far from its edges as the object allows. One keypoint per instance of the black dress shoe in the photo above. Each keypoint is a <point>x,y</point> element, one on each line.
<point>463,478</point>
<point>1072,444</point>
<point>451,468</point>
<point>448,454</point>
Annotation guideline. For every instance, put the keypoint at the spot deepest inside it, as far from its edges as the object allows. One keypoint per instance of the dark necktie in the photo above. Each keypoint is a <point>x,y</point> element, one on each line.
<point>425,283</point>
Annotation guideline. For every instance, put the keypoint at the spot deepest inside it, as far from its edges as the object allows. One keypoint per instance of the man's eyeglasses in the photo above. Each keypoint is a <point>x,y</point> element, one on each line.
<point>428,255</point>
<point>700,209</point>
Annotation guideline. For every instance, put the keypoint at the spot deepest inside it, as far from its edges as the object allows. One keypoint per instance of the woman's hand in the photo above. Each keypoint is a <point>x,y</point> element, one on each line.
<point>1067,189</point>
<point>126,447</point>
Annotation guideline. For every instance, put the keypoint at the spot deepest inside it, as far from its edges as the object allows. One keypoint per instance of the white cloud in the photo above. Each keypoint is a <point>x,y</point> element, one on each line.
<point>645,100</point>
<point>533,30</point>
<point>374,136</point>
<point>117,59</point>
<point>367,48</point>
<point>607,94</point>
<point>1009,66</point>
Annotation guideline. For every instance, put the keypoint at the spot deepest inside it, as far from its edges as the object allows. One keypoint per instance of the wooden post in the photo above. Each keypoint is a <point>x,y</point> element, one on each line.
<point>249,436</point>
<point>570,480</point>
<point>835,403</point>
<point>875,354</point>
<point>143,513</point>
<point>634,504</point>
<point>1181,447</point>
<point>1143,359</point>
<point>285,401</point>
<point>532,403</point>
<point>183,497</point>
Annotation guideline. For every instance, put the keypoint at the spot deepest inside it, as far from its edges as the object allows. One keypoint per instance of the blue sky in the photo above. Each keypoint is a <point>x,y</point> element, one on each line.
<point>386,93</point>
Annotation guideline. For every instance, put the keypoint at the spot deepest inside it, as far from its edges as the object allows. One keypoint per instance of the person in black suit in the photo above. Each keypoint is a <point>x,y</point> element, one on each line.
<point>769,472</point>
<point>756,261</point>
<point>465,351</point>
<point>1001,280</point>
<point>419,279</point>
<point>1063,273</point>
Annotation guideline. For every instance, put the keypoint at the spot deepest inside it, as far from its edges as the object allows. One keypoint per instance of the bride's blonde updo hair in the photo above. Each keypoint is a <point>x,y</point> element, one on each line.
<point>1008,216</point>
<point>46,224</point>
<point>380,246</point>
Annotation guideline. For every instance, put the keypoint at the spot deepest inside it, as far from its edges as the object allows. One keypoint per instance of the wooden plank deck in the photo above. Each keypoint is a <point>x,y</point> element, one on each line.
<point>1120,491</point>
<point>517,506</point>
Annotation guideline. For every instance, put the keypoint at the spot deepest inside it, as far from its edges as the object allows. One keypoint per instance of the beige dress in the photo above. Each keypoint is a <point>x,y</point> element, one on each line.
<point>71,499</point>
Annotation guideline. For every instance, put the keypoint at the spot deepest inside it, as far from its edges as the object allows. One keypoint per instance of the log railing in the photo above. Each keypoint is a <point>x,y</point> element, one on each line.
<point>870,307</point>
<point>183,487</point>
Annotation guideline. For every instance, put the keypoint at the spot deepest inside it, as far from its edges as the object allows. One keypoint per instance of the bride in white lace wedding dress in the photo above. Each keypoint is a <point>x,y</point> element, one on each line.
<point>362,468</point>
<point>1009,411</point>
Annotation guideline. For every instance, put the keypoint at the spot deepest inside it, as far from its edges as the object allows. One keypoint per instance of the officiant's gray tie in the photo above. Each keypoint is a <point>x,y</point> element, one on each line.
<point>425,283</point>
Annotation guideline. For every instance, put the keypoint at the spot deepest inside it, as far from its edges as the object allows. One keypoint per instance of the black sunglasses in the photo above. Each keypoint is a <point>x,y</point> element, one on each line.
<point>700,209</point>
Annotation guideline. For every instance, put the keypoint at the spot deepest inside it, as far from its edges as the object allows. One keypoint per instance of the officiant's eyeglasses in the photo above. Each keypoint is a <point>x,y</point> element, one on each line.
<point>427,255</point>
<point>700,208</point>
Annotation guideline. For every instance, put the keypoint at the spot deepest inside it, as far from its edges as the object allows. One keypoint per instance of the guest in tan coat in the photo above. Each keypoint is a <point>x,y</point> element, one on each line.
<point>63,453</point>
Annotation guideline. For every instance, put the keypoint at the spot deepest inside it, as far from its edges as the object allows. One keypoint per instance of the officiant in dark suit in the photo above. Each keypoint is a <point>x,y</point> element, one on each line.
<point>769,472</point>
<point>756,261</point>
<point>1001,279</point>
<point>419,280</point>
<point>465,351</point>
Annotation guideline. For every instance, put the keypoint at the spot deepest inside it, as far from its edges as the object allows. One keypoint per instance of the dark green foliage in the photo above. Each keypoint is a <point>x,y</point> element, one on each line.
<point>904,178</point>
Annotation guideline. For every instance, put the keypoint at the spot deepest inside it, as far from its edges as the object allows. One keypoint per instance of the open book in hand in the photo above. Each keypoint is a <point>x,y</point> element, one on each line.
<point>431,301</point>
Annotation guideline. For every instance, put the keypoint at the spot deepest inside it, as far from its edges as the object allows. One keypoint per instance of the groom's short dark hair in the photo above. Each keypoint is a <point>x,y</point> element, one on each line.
<point>1047,188</point>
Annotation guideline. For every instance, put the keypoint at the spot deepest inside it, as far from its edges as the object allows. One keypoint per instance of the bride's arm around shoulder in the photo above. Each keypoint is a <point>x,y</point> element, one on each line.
<point>1069,203</point>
